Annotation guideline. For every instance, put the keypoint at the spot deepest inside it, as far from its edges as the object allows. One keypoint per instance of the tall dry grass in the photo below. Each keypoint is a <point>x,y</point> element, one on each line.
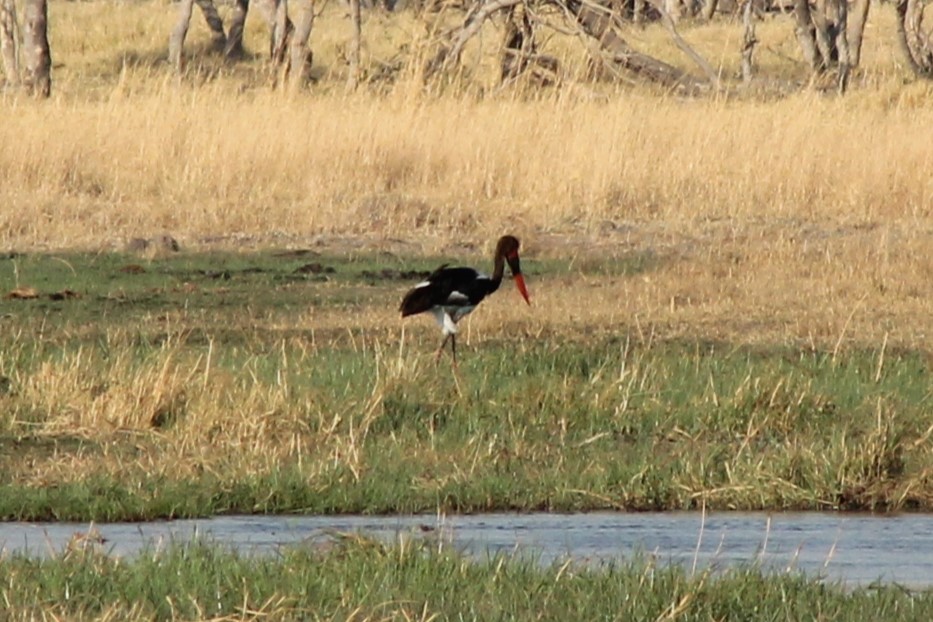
<point>202,163</point>
<point>124,149</point>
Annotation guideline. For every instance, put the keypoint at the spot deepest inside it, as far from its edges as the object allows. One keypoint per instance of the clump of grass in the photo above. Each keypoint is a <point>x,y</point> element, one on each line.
<point>194,428</point>
<point>362,579</point>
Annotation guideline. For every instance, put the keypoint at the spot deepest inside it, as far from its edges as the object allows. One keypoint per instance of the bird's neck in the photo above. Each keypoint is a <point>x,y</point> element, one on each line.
<point>498,269</point>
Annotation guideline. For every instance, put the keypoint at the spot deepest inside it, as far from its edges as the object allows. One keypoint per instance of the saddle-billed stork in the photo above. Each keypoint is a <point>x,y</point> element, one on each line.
<point>450,294</point>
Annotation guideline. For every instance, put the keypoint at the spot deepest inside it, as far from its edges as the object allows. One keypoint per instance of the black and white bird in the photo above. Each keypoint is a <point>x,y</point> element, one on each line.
<point>450,294</point>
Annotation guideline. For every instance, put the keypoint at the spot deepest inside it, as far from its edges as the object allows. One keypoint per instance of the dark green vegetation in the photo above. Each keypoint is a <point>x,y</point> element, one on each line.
<point>122,288</point>
<point>352,578</point>
<point>275,382</point>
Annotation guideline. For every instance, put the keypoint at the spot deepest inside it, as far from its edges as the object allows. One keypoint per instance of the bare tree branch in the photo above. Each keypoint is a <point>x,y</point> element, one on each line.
<point>596,22</point>
<point>449,54</point>
<point>685,47</point>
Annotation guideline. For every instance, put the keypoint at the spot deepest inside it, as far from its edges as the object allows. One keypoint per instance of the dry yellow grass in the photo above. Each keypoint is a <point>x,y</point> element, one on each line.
<point>203,163</point>
<point>141,153</point>
<point>241,425</point>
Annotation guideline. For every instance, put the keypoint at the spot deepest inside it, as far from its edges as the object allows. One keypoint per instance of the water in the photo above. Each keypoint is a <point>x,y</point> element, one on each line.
<point>856,549</point>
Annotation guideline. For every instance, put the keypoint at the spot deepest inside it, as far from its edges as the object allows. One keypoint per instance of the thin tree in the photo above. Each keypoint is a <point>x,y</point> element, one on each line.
<point>353,79</point>
<point>749,41</point>
<point>176,41</point>
<point>9,39</point>
<point>840,12</point>
<point>37,57</point>
<point>282,30</point>
<point>858,17</point>
<point>300,51</point>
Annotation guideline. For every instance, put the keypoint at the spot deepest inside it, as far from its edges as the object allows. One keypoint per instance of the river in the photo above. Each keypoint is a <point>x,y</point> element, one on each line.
<point>855,549</point>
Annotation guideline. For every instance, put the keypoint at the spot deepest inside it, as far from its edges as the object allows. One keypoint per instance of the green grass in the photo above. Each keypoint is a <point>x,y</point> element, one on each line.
<point>177,392</point>
<point>348,577</point>
<point>123,286</point>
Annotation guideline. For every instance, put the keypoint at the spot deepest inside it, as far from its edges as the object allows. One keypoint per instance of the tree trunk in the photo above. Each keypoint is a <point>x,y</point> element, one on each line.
<point>822,31</point>
<point>37,57</point>
<point>841,18</point>
<point>214,23</point>
<point>281,33</point>
<point>8,41</point>
<point>806,36</point>
<point>275,12</point>
<point>299,50</point>
<point>914,41</point>
<point>748,42</point>
<point>176,41</point>
<point>857,30</point>
<point>353,79</point>
<point>709,9</point>
<point>234,47</point>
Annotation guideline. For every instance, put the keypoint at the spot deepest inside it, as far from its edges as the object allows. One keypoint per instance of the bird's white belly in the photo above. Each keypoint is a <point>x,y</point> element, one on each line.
<point>448,316</point>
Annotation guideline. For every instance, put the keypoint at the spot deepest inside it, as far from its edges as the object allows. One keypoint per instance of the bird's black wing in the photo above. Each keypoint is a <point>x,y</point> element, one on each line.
<point>445,286</point>
<point>425,294</point>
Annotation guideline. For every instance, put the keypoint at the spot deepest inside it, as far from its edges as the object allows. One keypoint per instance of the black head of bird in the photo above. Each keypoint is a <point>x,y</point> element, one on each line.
<point>507,249</point>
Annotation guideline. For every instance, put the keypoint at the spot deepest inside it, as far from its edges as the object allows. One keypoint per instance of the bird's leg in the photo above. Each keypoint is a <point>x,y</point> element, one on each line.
<point>437,356</point>
<point>453,348</point>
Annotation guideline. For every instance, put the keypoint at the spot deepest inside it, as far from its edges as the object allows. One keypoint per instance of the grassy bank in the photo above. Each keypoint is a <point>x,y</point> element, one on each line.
<point>363,580</point>
<point>285,382</point>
